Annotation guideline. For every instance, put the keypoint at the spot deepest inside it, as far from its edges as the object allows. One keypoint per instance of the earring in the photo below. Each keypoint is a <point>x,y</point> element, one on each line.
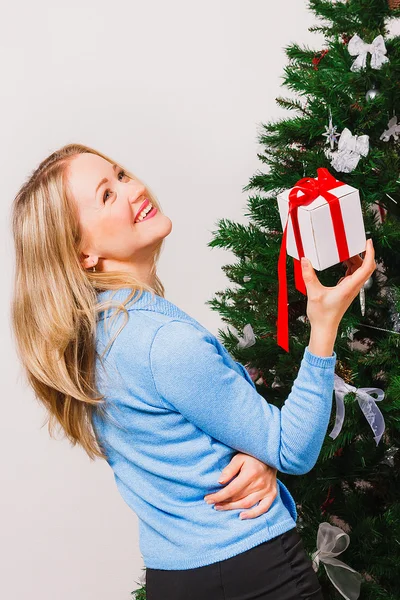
<point>93,268</point>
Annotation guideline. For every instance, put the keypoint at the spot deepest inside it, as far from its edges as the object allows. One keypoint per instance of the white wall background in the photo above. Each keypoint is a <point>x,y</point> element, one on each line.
<point>176,91</point>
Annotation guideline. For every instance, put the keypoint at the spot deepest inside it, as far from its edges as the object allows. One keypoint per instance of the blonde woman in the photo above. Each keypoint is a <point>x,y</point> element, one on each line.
<point>135,380</point>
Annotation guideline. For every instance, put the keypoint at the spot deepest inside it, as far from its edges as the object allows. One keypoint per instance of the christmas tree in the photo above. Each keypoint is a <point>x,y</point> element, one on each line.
<point>344,119</point>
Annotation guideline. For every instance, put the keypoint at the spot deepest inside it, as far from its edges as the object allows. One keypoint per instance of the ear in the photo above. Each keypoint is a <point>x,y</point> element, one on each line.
<point>87,262</point>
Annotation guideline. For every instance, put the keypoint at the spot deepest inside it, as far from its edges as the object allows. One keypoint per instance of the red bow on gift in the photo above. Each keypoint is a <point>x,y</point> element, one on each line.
<point>311,188</point>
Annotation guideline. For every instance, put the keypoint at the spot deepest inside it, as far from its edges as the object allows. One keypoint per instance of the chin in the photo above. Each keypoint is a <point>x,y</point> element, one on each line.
<point>167,221</point>
<point>168,227</point>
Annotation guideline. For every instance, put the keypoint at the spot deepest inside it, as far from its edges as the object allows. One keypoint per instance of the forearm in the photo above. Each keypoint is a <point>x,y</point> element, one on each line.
<point>322,339</point>
<point>306,412</point>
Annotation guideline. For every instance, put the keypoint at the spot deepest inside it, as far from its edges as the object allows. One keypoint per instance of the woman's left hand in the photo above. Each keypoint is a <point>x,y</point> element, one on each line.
<point>327,305</point>
<point>256,482</point>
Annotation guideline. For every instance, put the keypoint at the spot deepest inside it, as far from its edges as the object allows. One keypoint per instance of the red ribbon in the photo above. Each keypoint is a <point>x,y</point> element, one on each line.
<point>312,189</point>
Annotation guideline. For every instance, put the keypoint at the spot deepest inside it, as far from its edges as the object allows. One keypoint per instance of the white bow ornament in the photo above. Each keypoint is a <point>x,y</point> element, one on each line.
<point>366,402</point>
<point>248,339</point>
<point>357,47</point>
<point>350,149</point>
<point>332,541</point>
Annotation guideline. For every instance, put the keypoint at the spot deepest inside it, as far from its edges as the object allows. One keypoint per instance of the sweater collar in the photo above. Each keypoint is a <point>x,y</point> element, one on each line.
<point>147,301</point>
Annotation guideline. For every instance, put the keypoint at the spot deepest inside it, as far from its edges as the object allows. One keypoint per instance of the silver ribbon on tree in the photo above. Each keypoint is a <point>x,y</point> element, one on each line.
<point>357,47</point>
<point>332,541</point>
<point>393,129</point>
<point>367,404</point>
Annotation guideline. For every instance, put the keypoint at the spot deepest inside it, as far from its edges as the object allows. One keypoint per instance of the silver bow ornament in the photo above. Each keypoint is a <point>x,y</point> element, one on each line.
<point>392,130</point>
<point>248,339</point>
<point>357,47</point>
<point>332,541</point>
<point>350,149</point>
<point>367,404</point>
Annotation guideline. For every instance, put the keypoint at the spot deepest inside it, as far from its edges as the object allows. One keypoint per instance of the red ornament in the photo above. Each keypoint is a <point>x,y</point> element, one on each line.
<point>382,210</point>
<point>317,59</point>
<point>263,378</point>
<point>328,502</point>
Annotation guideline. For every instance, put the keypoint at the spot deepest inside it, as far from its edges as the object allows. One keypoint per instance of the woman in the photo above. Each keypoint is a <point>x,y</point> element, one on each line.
<point>149,389</point>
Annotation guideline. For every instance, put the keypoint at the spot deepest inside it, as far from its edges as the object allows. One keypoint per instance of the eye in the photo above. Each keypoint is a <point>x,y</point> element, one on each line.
<point>107,190</point>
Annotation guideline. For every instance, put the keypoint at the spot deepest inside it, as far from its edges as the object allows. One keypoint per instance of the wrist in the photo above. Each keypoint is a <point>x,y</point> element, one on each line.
<point>322,339</point>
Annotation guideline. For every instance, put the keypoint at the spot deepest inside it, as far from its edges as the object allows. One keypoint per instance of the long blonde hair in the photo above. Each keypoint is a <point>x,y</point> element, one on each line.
<point>54,306</point>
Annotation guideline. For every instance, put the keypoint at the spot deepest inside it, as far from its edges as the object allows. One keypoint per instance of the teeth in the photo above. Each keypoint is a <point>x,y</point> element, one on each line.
<point>144,212</point>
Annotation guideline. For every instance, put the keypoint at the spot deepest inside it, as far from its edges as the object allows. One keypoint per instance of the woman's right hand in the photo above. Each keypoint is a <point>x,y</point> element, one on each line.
<point>327,305</point>
<point>255,483</point>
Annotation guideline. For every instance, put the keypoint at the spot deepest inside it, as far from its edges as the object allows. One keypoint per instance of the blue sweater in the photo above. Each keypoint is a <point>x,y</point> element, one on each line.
<point>178,408</point>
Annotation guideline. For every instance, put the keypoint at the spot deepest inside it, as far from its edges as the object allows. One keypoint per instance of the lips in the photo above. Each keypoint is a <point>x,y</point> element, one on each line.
<point>145,203</point>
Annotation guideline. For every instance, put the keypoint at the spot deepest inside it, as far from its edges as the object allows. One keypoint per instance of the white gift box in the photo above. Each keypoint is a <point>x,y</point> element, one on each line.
<point>316,227</point>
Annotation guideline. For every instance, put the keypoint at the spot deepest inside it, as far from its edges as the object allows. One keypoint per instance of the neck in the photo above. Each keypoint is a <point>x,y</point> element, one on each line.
<point>144,272</point>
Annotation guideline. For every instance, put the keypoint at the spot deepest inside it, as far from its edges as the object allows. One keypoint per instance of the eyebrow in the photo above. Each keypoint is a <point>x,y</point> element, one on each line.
<point>105,180</point>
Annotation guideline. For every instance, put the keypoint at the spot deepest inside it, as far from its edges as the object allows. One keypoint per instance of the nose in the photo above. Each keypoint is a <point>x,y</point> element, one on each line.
<point>138,194</point>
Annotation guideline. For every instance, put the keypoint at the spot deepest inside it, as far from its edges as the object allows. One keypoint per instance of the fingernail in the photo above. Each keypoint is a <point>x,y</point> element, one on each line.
<point>243,516</point>
<point>209,501</point>
<point>304,261</point>
<point>217,507</point>
<point>221,480</point>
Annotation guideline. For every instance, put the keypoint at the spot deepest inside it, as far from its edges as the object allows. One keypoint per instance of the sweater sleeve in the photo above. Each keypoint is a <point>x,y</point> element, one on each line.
<point>192,378</point>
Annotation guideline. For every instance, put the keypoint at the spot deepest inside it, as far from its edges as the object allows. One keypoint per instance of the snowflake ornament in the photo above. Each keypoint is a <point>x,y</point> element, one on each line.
<point>331,133</point>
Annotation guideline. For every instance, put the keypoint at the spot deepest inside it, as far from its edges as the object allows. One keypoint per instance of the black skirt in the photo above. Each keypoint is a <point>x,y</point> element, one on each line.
<point>278,569</point>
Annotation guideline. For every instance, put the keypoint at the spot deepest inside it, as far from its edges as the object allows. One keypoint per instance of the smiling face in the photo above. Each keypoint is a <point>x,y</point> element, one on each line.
<point>107,210</point>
